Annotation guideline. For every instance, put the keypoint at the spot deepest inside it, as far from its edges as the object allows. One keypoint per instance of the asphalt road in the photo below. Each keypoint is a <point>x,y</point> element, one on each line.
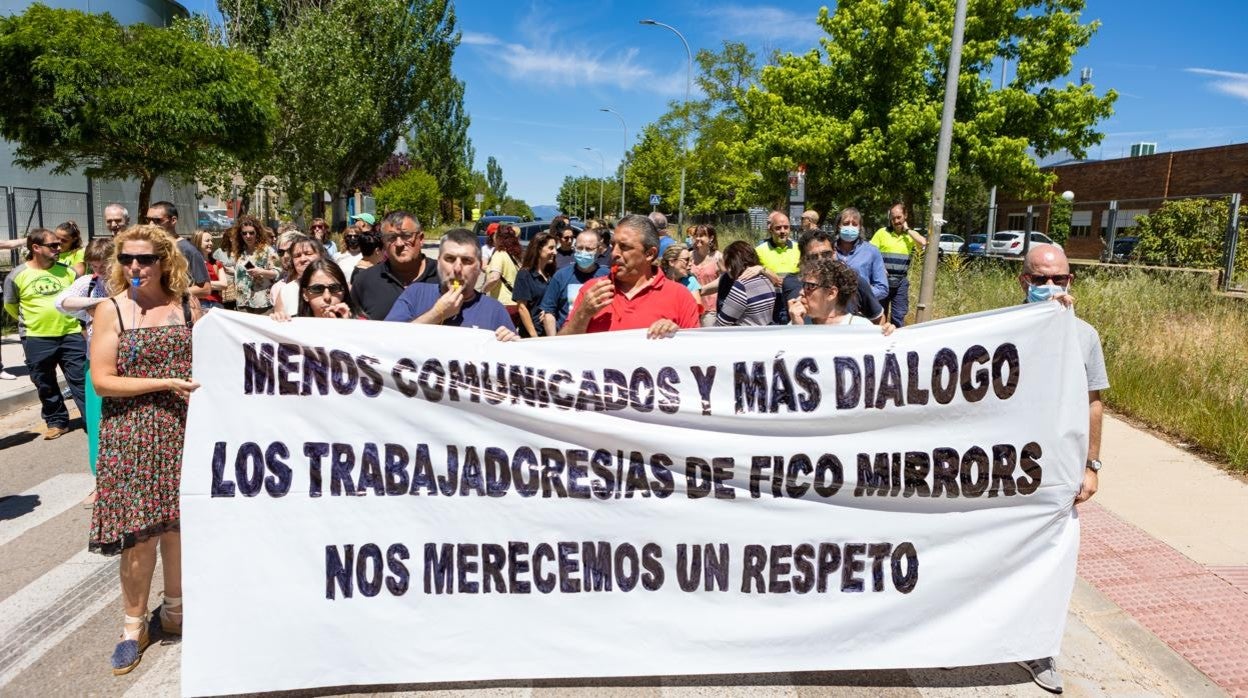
<point>60,614</point>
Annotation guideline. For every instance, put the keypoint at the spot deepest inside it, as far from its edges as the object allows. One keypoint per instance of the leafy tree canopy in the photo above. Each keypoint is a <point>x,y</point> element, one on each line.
<point>127,102</point>
<point>863,111</point>
<point>414,190</point>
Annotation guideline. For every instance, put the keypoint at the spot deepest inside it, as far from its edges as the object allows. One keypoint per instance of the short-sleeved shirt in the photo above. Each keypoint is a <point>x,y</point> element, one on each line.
<point>896,250</point>
<point>780,260</point>
<point>376,288</point>
<point>194,261</point>
<point>664,243</point>
<point>564,259</point>
<point>1093,356</point>
<point>73,257</point>
<point>658,300</point>
<point>505,266</point>
<point>563,289</point>
<point>30,296</point>
<point>530,288</point>
<point>480,311</point>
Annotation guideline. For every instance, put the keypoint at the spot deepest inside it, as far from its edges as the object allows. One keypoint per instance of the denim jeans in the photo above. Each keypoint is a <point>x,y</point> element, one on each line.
<point>897,302</point>
<point>43,355</point>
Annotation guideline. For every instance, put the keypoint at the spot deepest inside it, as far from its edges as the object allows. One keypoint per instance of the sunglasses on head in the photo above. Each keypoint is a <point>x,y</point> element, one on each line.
<point>319,289</point>
<point>145,260</point>
<point>1041,279</point>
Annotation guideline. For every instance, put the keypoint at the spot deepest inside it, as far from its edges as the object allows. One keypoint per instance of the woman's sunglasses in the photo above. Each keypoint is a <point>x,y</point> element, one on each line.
<point>145,260</point>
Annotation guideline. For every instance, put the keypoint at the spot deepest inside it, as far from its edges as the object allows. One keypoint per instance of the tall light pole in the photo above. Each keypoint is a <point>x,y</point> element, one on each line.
<point>623,157</point>
<point>584,193</point>
<point>684,155</point>
<point>931,254</point>
<point>601,182</point>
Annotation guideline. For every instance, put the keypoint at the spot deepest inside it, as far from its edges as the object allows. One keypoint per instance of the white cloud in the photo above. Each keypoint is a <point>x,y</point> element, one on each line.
<point>771,24</point>
<point>1227,82</point>
<point>479,39</point>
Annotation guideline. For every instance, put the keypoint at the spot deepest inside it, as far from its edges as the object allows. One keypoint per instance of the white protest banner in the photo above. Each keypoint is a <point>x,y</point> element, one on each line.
<point>370,502</point>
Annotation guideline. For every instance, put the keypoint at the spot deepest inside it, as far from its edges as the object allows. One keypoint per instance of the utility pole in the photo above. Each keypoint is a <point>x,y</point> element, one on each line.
<point>992,195</point>
<point>931,256</point>
<point>623,159</point>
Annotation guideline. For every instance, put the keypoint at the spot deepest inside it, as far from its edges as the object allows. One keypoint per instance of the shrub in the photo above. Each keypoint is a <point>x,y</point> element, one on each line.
<point>1187,233</point>
<point>414,190</point>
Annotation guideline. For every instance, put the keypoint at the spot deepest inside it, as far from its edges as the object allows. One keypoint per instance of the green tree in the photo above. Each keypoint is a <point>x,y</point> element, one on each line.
<point>120,102</point>
<point>654,168</point>
<point>1187,233</point>
<point>1059,220</point>
<point>494,177</point>
<point>439,142</point>
<point>353,75</point>
<point>415,191</point>
<point>863,111</point>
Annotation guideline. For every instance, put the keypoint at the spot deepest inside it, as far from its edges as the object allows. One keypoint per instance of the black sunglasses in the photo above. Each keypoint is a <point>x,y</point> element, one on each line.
<point>154,220</point>
<point>284,250</point>
<point>811,286</point>
<point>50,245</point>
<point>319,289</point>
<point>145,260</point>
<point>1041,279</point>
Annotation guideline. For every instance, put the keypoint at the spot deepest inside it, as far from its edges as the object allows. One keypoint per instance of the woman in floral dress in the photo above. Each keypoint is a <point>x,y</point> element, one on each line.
<point>141,367</point>
<point>255,265</point>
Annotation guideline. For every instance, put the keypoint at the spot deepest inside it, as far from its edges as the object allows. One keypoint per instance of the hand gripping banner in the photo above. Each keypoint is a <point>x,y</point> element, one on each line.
<point>381,503</point>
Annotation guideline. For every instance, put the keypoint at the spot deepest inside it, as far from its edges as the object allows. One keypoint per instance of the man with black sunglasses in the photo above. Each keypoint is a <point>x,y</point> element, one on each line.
<point>376,288</point>
<point>1046,276</point>
<point>165,215</point>
<point>49,338</point>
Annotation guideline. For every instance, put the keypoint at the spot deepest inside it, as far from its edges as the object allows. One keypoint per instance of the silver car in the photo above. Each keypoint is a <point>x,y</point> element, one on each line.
<point>1010,242</point>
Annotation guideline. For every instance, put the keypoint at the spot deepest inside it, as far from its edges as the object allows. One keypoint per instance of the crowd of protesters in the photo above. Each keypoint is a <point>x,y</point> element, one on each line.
<point>129,303</point>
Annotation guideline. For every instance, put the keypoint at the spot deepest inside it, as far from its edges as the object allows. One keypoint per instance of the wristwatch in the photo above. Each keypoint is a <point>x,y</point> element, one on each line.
<point>1094,465</point>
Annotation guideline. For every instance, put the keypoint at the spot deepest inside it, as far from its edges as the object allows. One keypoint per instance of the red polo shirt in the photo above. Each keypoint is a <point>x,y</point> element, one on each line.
<point>657,300</point>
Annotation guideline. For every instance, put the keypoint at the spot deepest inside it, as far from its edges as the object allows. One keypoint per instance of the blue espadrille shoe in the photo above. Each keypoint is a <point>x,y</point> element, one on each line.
<point>129,652</point>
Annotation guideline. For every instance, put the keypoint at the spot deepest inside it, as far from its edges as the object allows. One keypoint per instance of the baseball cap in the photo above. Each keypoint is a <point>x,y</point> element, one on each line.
<point>491,229</point>
<point>366,217</point>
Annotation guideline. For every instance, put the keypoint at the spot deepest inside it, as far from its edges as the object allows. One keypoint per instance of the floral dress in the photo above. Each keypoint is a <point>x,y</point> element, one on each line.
<point>253,294</point>
<point>140,461</point>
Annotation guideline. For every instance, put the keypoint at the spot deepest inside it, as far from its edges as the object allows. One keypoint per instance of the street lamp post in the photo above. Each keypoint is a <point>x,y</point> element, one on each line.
<point>688,84</point>
<point>623,158</point>
<point>584,193</point>
<point>601,182</point>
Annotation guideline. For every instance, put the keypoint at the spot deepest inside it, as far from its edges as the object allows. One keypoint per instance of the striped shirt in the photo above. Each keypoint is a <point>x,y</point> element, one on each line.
<point>750,302</point>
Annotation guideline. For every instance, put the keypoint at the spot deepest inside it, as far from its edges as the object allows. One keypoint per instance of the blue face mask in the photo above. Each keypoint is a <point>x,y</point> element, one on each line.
<point>1039,294</point>
<point>849,233</point>
<point>584,259</point>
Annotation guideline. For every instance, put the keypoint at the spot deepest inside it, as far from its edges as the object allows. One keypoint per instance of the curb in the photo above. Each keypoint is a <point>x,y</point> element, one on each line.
<point>24,398</point>
<point>1137,644</point>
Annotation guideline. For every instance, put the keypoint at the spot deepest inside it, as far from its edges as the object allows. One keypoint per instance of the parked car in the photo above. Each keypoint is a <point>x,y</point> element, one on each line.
<point>1010,242</point>
<point>1124,251</point>
<point>207,220</point>
<point>950,243</point>
<point>975,245</point>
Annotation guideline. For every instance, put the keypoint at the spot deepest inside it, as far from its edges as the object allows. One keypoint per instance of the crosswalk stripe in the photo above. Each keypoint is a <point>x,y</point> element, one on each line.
<point>49,609</point>
<point>162,678</point>
<point>55,495</point>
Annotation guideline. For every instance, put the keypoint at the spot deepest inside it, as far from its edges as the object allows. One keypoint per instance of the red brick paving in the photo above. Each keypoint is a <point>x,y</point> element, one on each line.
<point>1200,612</point>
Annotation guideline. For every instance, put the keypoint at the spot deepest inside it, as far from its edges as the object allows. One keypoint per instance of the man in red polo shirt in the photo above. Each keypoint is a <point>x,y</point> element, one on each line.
<point>636,295</point>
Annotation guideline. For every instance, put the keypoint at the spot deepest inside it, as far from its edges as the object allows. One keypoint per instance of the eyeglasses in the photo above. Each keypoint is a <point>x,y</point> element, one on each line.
<point>320,227</point>
<point>350,239</point>
<point>826,254</point>
<point>154,220</point>
<point>50,245</point>
<point>144,260</point>
<point>283,250</point>
<point>811,286</point>
<point>319,289</point>
<point>405,236</point>
<point>1041,279</point>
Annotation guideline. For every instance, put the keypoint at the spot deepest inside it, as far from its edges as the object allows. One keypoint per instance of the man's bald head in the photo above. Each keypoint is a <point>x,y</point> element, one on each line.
<point>1044,258</point>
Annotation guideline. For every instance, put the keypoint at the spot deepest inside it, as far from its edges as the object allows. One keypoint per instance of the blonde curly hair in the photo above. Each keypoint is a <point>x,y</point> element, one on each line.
<point>174,271</point>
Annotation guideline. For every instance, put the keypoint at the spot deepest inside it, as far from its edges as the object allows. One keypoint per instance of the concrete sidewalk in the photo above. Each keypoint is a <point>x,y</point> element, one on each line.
<point>16,394</point>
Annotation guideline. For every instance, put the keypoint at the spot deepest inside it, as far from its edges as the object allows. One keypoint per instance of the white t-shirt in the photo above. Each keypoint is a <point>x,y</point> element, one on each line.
<point>347,261</point>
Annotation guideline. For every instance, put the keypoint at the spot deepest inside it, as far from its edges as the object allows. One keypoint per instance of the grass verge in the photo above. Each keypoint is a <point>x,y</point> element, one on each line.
<point>1177,354</point>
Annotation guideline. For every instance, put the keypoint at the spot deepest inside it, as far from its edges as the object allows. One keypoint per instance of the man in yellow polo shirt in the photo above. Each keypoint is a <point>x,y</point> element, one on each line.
<point>896,247</point>
<point>49,339</point>
<point>778,254</point>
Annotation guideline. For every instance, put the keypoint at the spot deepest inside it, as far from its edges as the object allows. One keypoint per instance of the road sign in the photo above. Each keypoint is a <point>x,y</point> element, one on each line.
<point>797,186</point>
<point>654,199</point>
<point>479,198</point>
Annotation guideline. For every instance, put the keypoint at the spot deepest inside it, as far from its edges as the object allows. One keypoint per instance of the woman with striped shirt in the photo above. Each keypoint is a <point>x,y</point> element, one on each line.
<point>752,297</point>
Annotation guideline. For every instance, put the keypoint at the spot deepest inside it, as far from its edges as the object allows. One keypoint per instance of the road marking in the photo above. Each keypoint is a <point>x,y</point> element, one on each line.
<point>49,609</point>
<point>18,513</point>
<point>164,678</point>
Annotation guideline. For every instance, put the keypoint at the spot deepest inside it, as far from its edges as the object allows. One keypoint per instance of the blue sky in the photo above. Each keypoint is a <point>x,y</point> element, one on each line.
<point>537,73</point>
